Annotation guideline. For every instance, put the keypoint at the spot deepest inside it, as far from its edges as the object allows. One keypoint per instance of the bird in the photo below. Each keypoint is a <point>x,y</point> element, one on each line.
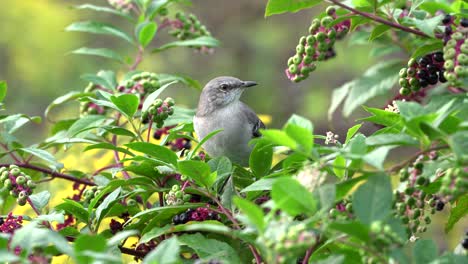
<point>218,108</point>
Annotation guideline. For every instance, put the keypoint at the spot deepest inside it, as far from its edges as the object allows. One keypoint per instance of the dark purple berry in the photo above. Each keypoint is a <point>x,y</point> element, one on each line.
<point>1,221</point>
<point>438,56</point>
<point>422,74</point>
<point>176,220</point>
<point>424,61</point>
<point>423,83</point>
<point>440,205</point>
<point>433,78</point>
<point>183,218</point>
<point>464,23</point>
<point>464,243</point>
<point>442,77</point>
<point>447,19</point>
<point>431,68</point>
<point>448,30</point>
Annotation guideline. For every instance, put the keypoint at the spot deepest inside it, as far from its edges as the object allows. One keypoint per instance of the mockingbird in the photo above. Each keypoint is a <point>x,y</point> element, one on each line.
<point>219,108</point>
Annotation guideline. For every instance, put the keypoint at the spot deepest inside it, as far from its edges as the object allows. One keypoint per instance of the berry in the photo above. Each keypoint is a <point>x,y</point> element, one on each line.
<point>440,205</point>
<point>330,10</point>
<point>464,243</point>
<point>424,61</point>
<point>447,19</point>
<point>405,91</point>
<point>464,23</point>
<point>438,56</point>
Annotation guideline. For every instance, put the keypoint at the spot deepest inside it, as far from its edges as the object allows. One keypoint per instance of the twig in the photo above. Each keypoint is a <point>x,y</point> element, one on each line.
<point>404,163</point>
<point>138,59</point>
<point>106,168</point>
<point>311,250</point>
<point>52,173</point>
<point>32,206</point>
<point>12,155</point>
<point>379,19</point>
<point>132,252</point>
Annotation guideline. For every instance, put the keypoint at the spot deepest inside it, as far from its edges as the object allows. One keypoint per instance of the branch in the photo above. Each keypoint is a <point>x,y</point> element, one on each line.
<point>138,59</point>
<point>132,252</point>
<point>52,173</point>
<point>379,19</point>
<point>404,163</point>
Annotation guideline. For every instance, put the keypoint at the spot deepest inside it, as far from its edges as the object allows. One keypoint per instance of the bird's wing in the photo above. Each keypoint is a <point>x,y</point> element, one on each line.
<point>253,119</point>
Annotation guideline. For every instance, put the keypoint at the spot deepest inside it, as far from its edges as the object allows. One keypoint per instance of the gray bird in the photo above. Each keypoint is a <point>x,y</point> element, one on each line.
<point>219,108</point>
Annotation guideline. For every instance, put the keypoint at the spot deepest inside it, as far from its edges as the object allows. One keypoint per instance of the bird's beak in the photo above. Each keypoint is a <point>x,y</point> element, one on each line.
<point>248,84</point>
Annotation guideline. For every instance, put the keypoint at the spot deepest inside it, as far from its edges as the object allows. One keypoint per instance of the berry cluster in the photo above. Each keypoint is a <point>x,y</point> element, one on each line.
<point>343,210</point>
<point>10,223</point>
<point>425,71</point>
<point>90,108</point>
<point>91,193</point>
<point>122,5</point>
<point>287,239</point>
<point>142,83</point>
<point>455,50</point>
<point>454,183</point>
<point>175,145</point>
<point>19,184</point>
<point>186,27</point>
<point>144,248</point>
<point>200,214</point>
<point>176,196</point>
<point>159,111</point>
<point>317,46</point>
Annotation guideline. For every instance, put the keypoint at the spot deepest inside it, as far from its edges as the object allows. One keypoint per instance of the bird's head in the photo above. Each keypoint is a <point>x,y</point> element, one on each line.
<point>222,91</point>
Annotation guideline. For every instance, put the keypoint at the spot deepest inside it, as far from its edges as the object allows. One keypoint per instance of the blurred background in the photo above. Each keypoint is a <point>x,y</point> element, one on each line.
<point>35,63</point>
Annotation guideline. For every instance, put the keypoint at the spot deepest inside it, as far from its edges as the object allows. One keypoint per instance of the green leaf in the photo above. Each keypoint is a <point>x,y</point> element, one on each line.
<point>12,123</point>
<point>167,252</point>
<point>279,137</point>
<point>391,139</point>
<point>264,184</point>
<point>352,228</point>
<point>126,103</point>
<point>261,158</point>
<point>372,201</point>
<point>109,146</point>
<point>104,207</point>
<point>154,7</point>
<point>85,123</point>
<point>64,99</point>
<point>344,187</point>
<point>424,251</point>
<point>410,110</point>
<point>166,78</point>
<point>293,198</point>
<point>339,166</point>
<point>99,28</point>
<point>100,52</point>
<point>85,243</point>
<point>428,48</point>
<point>204,41</point>
<point>203,141</point>
<point>253,212</point>
<point>457,212</point>
<point>326,195</point>
<point>150,98</point>
<point>40,200</point>
<point>198,171</point>
<point>459,144</point>
<point>351,132</point>
<point>44,155</point>
<point>156,151</point>
<point>145,32</point>
<point>103,9</point>
<point>74,208</point>
<point>383,117</point>
<point>106,79</point>
<point>282,6</point>
<point>304,137</point>
<point>377,156</point>
<point>338,95</point>
<point>119,131</point>
<point>207,248</point>
<point>122,235</point>
<point>377,80</point>
<point>3,90</point>
<point>427,25</point>
<point>378,31</point>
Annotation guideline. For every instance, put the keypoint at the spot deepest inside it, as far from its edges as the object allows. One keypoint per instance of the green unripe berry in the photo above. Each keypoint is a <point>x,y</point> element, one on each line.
<point>300,49</point>
<point>310,51</point>
<point>20,201</point>
<point>405,220</point>
<point>303,40</point>
<point>170,111</point>
<point>155,84</point>
<point>405,91</point>
<point>376,227</point>
<point>413,82</point>
<point>402,73</point>
<point>411,201</point>
<point>131,202</point>
<point>7,183</point>
<point>293,69</point>
<point>462,59</point>
<point>448,65</point>
<point>145,75</point>
<point>308,59</point>
<point>15,171</point>
<point>457,36</point>
<point>22,194</point>
<point>14,193</point>
<point>175,188</point>
<point>331,34</point>
<point>449,54</point>
<point>311,40</point>
<point>297,59</point>
<point>179,194</point>
<point>323,46</point>
<point>314,26</point>
<point>459,70</point>
<point>404,83</point>
<point>20,180</point>
<point>330,10</point>
<point>416,213</point>
<point>187,197</point>
<point>183,177</point>
<point>427,220</point>
<point>450,44</point>
<point>412,62</point>
<point>326,21</point>
<point>464,48</point>
<point>410,72</point>
<point>163,11</point>
<point>450,76</point>
<point>333,212</point>
<point>129,84</point>
<point>31,184</point>
<point>321,56</point>
<point>349,207</point>
<point>169,101</point>
<point>146,84</point>
<point>320,36</point>
<point>4,176</point>
<point>290,61</point>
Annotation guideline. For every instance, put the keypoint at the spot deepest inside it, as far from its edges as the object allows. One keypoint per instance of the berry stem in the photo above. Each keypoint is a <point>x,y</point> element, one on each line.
<point>403,164</point>
<point>32,206</point>
<point>379,19</point>
<point>311,250</point>
<point>52,173</point>
<point>12,155</point>
<point>150,124</point>
<point>138,59</point>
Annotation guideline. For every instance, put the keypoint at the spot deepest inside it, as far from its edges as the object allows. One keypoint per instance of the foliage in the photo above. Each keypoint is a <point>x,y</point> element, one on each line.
<point>323,201</point>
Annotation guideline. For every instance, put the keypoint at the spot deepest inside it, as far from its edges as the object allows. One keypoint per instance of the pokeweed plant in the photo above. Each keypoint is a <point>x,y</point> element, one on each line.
<point>325,201</point>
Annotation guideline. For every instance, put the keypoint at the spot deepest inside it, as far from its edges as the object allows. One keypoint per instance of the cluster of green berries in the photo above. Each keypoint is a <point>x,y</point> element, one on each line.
<point>412,204</point>
<point>176,196</point>
<point>17,183</point>
<point>90,108</point>
<point>422,72</point>
<point>159,111</point>
<point>343,210</point>
<point>91,193</point>
<point>287,239</point>
<point>186,27</point>
<point>454,183</point>
<point>317,46</point>
<point>142,83</point>
<point>456,56</point>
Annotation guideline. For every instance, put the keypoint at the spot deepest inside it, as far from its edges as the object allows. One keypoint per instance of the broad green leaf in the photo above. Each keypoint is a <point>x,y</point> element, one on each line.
<point>82,124</point>
<point>382,117</point>
<point>326,195</point>
<point>378,31</point>
<point>432,7</point>
<point>198,171</point>
<point>377,80</point>
<point>253,212</point>
<point>74,208</point>
<point>203,141</point>
<point>100,52</point>
<point>99,28</point>
<point>210,226</point>
<point>158,152</point>
<point>85,243</point>
<point>106,79</point>
<point>261,158</point>
<point>300,121</point>
<point>372,201</point>
<point>410,110</point>
<point>3,90</point>
<point>428,48</point>
<point>44,155</point>
<point>167,78</point>
<point>126,103</point>
<point>154,7</point>
<point>333,259</point>
<point>109,146</point>
<point>391,139</point>
<point>293,198</point>
<point>204,41</point>
<point>122,235</point>
<point>377,156</point>
<point>427,25</point>
<point>459,144</point>
<point>207,248</point>
<point>303,136</point>
<point>338,95</point>
<point>119,131</point>
<point>339,166</point>
<point>351,132</point>
<point>264,184</point>
<point>64,99</point>
<point>40,200</point>
<point>103,9</point>
<point>150,98</point>
<point>12,123</point>
<point>104,207</point>
<point>145,32</point>
<point>282,6</point>
<point>424,251</point>
<point>167,252</point>
<point>344,187</point>
<point>352,228</point>
<point>279,138</point>
<point>457,212</point>
<point>356,147</point>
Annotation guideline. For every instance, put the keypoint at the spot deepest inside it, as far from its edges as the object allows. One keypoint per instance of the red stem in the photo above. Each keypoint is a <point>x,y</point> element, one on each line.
<point>32,206</point>
<point>138,59</point>
<point>106,168</point>
<point>12,155</point>
<point>150,124</point>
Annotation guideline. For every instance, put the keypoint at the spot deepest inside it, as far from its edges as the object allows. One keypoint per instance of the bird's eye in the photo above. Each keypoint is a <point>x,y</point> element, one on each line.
<point>224,87</point>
